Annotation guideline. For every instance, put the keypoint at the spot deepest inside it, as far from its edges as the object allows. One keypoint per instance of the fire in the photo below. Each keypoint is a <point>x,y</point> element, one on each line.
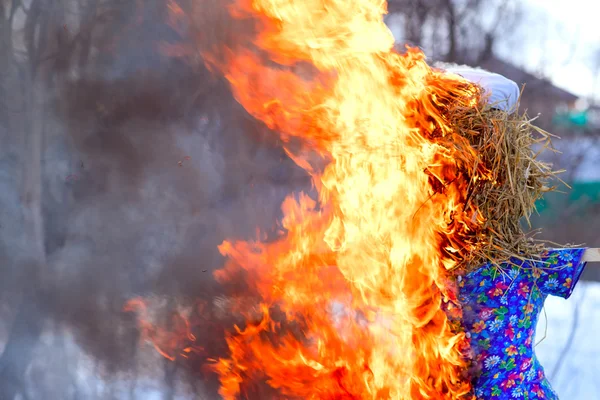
<point>356,297</point>
<point>171,343</point>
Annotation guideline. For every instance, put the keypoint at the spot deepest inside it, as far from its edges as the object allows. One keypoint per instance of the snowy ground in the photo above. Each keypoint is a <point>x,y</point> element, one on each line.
<point>568,336</point>
<point>576,375</point>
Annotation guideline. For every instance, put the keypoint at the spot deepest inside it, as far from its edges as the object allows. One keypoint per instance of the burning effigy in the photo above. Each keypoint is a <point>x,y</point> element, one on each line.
<point>421,181</point>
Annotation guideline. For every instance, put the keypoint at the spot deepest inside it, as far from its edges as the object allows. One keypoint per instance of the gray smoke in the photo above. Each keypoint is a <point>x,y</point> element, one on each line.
<point>149,164</point>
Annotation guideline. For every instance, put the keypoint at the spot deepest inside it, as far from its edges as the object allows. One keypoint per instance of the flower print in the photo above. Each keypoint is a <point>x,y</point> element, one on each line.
<point>566,256</point>
<point>498,289</point>
<point>511,350</point>
<point>530,334</point>
<point>523,289</point>
<point>482,298</point>
<point>508,364</point>
<point>480,357</point>
<point>505,307</point>
<point>495,325</point>
<point>540,374</point>
<point>524,323</point>
<point>515,377</point>
<point>508,383</point>
<point>510,332</point>
<point>522,349</point>
<point>487,270</point>
<point>479,326</point>
<point>552,259</point>
<point>528,308</point>
<point>491,361</point>
<point>484,344</point>
<point>538,391</point>
<point>536,294</point>
<point>530,375</point>
<point>501,312</point>
<point>486,313</point>
<point>551,283</point>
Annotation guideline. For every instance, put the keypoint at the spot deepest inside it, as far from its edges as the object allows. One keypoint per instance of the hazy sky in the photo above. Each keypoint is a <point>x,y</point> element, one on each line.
<point>561,39</point>
<point>558,39</point>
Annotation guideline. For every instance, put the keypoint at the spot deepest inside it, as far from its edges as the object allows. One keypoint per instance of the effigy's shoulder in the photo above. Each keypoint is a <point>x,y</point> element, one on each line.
<point>498,275</point>
<point>508,269</point>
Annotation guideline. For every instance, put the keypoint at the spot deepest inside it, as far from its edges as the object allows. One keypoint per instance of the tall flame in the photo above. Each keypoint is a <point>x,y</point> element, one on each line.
<point>356,297</point>
<point>361,274</point>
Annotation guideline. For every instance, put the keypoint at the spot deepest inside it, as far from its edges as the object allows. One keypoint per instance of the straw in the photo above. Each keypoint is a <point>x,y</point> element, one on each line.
<point>494,151</point>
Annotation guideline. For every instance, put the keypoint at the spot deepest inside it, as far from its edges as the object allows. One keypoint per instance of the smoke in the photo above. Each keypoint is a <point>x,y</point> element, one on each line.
<point>150,164</point>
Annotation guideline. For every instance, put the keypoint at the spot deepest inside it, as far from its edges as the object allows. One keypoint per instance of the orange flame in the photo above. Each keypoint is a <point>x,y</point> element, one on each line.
<point>363,276</point>
<point>170,343</point>
<point>356,299</point>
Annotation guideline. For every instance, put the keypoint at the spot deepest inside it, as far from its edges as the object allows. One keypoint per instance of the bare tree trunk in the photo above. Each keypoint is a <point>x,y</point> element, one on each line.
<point>88,23</point>
<point>29,320</point>
<point>452,32</point>
<point>170,369</point>
<point>18,352</point>
<point>134,370</point>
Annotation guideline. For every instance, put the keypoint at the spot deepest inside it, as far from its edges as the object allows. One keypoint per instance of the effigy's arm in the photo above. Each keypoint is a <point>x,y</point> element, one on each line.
<point>591,254</point>
<point>560,269</point>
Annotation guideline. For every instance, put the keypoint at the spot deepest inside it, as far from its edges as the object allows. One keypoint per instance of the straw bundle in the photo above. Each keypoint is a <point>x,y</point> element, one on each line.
<point>504,183</point>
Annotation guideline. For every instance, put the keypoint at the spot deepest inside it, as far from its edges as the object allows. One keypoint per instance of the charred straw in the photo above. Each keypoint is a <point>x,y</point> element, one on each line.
<point>506,179</point>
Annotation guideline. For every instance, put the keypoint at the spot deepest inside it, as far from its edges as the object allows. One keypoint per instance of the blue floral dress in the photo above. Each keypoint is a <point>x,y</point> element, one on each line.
<point>500,312</point>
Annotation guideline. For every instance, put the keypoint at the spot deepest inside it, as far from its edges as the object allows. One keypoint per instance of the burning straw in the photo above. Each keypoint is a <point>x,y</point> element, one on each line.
<point>505,181</point>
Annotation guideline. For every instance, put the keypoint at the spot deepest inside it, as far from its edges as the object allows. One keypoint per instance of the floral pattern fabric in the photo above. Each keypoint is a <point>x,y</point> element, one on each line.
<point>501,305</point>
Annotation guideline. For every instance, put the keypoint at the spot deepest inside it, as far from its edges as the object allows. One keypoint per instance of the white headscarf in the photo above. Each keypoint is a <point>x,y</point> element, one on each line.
<point>504,93</point>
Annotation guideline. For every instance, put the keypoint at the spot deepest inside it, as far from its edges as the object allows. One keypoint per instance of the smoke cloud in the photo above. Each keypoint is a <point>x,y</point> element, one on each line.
<point>150,164</point>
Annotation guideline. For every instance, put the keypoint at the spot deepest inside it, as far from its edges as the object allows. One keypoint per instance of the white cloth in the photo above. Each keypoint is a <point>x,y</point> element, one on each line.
<point>504,93</point>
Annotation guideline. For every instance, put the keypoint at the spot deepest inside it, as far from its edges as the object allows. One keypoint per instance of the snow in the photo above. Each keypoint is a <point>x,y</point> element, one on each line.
<point>578,376</point>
